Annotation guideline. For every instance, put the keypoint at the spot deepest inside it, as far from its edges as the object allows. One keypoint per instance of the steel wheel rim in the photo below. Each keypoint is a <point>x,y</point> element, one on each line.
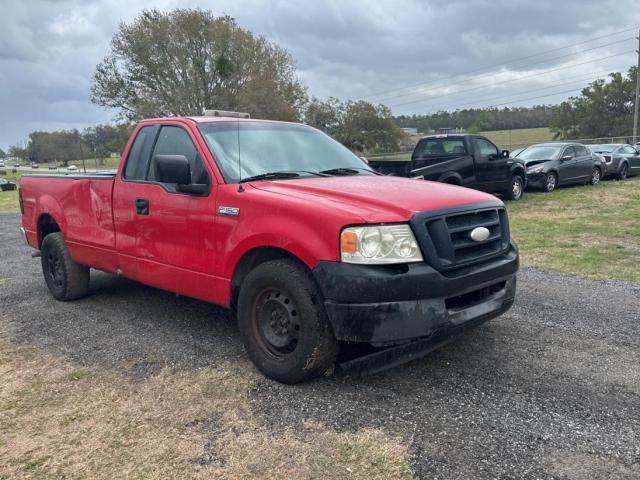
<point>595,176</point>
<point>54,267</point>
<point>276,321</point>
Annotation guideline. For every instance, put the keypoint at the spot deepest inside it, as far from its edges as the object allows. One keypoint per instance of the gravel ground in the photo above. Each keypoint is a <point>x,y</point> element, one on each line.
<point>549,390</point>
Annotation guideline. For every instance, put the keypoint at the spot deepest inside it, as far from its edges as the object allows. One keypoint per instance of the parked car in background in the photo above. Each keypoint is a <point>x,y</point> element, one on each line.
<point>35,165</point>
<point>2,164</point>
<point>72,168</point>
<point>621,159</point>
<point>550,165</point>
<point>468,160</point>
<point>6,185</point>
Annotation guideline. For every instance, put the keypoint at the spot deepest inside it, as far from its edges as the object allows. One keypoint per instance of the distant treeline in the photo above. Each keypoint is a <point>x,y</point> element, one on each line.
<point>97,142</point>
<point>480,119</point>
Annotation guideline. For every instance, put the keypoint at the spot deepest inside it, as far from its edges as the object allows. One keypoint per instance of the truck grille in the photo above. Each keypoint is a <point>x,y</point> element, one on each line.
<point>446,239</point>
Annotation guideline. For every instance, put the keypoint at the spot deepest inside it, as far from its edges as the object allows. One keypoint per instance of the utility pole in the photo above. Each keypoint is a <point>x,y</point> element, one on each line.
<point>635,114</point>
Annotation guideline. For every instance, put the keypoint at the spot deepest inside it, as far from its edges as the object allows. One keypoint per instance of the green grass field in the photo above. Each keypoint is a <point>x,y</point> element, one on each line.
<point>512,139</point>
<point>591,232</point>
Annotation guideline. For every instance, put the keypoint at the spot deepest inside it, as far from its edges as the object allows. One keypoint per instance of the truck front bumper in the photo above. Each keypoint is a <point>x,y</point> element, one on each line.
<point>385,305</point>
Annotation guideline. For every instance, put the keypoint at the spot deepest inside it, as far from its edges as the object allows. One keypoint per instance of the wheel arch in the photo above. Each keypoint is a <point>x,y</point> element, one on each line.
<point>251,259</point>
<point>46,225</point>
<point>452,178</point>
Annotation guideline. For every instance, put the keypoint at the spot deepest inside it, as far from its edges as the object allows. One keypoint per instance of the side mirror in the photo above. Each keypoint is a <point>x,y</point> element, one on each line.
<point>173,169</point>
<point>566,158</point>
<point>505,153</point>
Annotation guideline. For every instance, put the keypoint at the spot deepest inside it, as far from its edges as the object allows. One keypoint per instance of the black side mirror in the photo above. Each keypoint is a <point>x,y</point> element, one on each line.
<point>505,153</point>
<point>566,158</point>
<point>173,169</point>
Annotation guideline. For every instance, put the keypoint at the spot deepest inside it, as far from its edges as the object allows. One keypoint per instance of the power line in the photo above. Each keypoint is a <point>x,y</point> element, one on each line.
<point>521,66</point>
<point>520,78</point>
<point>590,78</point>
<point>376,94</point>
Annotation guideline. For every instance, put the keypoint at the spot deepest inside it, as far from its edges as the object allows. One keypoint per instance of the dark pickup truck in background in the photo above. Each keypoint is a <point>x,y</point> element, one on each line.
<point>467,160</point>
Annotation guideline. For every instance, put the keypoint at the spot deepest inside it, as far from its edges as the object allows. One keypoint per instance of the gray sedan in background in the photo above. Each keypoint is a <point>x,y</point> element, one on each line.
<point>621,160</point>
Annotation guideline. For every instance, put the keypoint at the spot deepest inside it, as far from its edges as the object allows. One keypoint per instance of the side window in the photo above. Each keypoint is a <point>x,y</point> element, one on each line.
<point>569,152</point>
<point>582,151</point>
<point>138,159</point>
<point>176,141</point>
<point>628,149</point>
<point>486,148</point>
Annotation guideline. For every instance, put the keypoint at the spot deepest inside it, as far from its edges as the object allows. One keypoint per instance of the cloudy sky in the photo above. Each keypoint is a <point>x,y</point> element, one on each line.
<point>415,56</point>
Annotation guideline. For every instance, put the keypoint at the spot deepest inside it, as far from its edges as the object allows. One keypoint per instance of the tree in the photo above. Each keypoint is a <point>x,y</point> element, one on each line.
<point>3,155</point>
<point>103,140</point>
<point>603,109</point>
<point>183,61</point>
<point>18,151</point>
<point>357,125</point>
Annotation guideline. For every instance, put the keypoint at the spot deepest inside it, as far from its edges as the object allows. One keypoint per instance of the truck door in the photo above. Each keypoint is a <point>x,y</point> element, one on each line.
<point>174,231</point>
<point>492,169</point>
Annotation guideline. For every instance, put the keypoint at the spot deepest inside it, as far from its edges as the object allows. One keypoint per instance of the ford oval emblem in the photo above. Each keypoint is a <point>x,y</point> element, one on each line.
<point>480,234</point>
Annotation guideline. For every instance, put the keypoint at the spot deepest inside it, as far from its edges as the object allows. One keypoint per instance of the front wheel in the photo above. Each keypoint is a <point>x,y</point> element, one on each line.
<point>283,323</point>
<point>622,174</point>
<point>595,176</point>
<point>66,279</point>
<point>550,182</point>
<point>516,188</point>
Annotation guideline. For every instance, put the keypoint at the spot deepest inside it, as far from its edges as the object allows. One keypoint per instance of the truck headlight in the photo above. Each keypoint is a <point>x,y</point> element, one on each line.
<point>379,244</point>
<point>536,169</point>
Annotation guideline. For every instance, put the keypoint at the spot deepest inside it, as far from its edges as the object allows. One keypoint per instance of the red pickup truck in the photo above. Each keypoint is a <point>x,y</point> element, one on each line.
<point>313,249</point>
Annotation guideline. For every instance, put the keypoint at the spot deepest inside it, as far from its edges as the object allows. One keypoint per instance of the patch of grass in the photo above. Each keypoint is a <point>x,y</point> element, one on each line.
<point>592,232</point>
<point>108,426</point>
<point>9,202</point>
<point>521,137</point>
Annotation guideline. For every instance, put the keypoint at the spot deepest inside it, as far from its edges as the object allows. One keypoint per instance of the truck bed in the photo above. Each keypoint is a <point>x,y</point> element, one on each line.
<point>80,203</point>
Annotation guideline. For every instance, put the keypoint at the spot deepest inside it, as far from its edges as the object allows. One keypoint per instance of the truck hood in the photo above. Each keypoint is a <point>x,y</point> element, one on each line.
<point>377,198</point>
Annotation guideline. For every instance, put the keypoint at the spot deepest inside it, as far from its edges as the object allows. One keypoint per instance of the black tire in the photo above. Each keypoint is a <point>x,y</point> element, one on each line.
<point>66,279</point>
<point>622,173</point>
<point>283,323</point>
<point>596,176</point>
<point>516,188</point>
<point>550,182</point>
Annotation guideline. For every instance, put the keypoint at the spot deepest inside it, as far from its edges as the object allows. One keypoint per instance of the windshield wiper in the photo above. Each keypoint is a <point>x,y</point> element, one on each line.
<point>347,171</point>
<point>281,175</point>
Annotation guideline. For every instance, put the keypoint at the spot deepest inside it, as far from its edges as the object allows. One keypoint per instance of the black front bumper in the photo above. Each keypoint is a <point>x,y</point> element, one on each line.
<point>386,305</point>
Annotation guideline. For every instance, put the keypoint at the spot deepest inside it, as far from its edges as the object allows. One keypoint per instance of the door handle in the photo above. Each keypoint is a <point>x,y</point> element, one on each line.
<point>142,206</point>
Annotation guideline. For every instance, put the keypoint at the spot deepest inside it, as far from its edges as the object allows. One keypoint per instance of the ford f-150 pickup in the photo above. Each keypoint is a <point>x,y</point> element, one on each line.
<point>312,249</point>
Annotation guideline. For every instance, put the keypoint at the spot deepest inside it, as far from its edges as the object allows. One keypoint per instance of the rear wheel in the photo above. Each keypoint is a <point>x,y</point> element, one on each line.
<point>622,173</point>
<point>596,176</point>
<point>66,279</point>
<point>283,323</point>
<point>550,182</point>
<point>516,188</point>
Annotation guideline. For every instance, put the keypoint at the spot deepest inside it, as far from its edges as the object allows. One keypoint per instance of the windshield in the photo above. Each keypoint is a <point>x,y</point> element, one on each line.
<point>266,147</point>
<point>540,153</point>
<point>603,148</point>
